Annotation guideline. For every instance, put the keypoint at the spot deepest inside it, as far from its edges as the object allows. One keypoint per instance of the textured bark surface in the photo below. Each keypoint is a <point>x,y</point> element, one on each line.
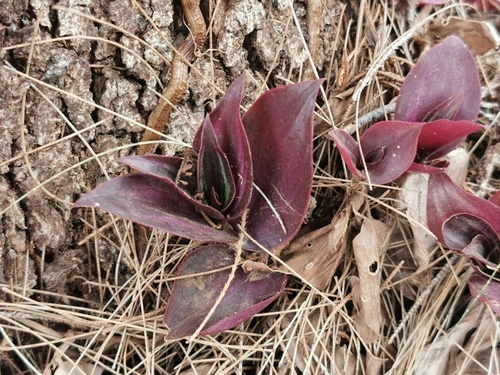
<point>97,77</point>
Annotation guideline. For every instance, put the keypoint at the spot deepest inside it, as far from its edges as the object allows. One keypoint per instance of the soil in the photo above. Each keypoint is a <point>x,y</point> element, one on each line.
<point>89,90</point>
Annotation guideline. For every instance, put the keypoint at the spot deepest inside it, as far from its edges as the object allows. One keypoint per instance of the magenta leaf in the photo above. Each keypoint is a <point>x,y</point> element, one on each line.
<point>436,167</point>
<point>279,127</point>
<point>232,140</point>
<point>461,229</point>
<point>171,168</point>
<point>445,199</point>
<point>349,150</point>
<point>475,239</point>
<point>193,297</point>
<point>447,70</point>
<point>156,165</point>
<point>447,109</point>
<point>495,199</point>
<point>398,141</point>
<point>389,149</point>
<point>439,137</point>
<point>215,181</point>
<point>167,167</point>
<point>487,292</point>
<point>154,202</point>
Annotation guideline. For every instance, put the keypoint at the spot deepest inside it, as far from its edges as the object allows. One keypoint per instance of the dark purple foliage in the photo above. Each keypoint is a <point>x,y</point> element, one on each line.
<point>271,147</point>
<point>446,199</point>
<point>439,99</point>
<point>389,149</point>
<point>471,226</point>
<point>446,73</point>
<point>260,164</point>
<point>192,297</point>
<point>280,132</point>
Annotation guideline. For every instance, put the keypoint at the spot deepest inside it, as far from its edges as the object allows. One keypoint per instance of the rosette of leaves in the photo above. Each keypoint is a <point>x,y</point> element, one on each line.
<point>435,110</point>
<point>259,165</point>
<point>471,226</point>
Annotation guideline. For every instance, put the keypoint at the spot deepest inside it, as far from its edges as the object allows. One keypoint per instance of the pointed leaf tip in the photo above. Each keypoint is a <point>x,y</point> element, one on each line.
<point>486,291</point>
<point>279,127</point>
<point>444,71</point>
<point>153,202</point>
<point>215,180</point>
<point>349,150</point>
<point>232,139</point>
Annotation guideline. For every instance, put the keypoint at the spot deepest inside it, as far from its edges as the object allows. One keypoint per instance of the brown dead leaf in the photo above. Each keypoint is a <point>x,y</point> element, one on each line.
<point>252,266</point>
<point>373,364</point>
<point>369,246</point>
<point>316,255</point>
<point>440,357</point>
<point>480,37</point>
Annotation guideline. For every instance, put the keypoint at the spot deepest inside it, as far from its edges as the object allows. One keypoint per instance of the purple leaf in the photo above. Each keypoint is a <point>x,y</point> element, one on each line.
<point>495,199</point>
<point>447,109</point>
<point>445,199</point>
<point>389,149</point>
<point>447,69</point>
<point>439,137</point>
<point>279,129</point>
<point>475,239</point>
<point>193,297</point>
<point>426,168</point>
<point>156,165</point>
<point>167,167</point>
<point>460,230</point>
<point>488,293</point>
<point>232,139</point>
<point>154,202</point>
<point>215,181</point>
<point>349,150</point>
<point>398,141</point>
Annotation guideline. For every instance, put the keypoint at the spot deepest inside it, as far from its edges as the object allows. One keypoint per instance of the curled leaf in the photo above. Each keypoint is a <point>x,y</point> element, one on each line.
<point>487,291</point>
<point>475,239</point>
<point>446,199</point>
<point>215,181</point>
<point>232,139</point>
<point>461,229</point>
<point>389,148</point>
<point>208,268</point>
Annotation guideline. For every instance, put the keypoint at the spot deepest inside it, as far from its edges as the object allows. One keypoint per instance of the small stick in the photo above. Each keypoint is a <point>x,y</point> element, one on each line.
<point>177,84</point>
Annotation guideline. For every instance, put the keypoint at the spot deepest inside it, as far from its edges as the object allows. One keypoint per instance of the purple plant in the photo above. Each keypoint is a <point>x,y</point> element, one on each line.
<point>439,100</point>
<point>471,226</point>
<point>259,165</point>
